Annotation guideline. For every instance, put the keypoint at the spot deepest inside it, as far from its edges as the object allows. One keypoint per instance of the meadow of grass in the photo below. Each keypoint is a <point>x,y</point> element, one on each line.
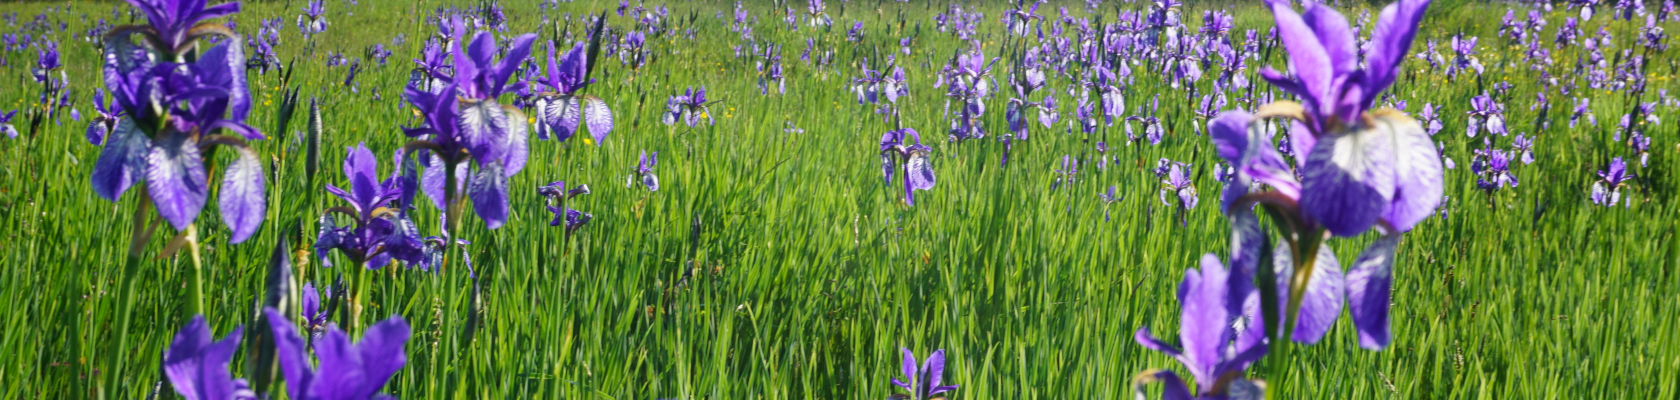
<point>777,265</point>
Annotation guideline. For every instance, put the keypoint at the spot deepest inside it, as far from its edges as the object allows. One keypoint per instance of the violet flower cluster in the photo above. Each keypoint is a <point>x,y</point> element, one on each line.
<point>180,98</point>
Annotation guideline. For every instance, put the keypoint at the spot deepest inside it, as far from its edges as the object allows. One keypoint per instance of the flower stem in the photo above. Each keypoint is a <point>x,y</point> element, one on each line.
<point>195,276</point>
<point>138,236</point>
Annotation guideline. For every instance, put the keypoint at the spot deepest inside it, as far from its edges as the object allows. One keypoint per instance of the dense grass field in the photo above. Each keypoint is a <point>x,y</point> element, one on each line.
<point>774,263</point>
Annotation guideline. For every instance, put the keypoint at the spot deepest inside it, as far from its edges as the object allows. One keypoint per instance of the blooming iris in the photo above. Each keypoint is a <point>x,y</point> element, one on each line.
<point>379,234</point>
<point>6,124</point>
<point>560,109</point>
<point>643,173</point>
<point>559,194</point>
<point>1485,113</point>
<point>922,383</point>
<point>177,96</point>
<point>1178,184</point>
<point>1361,168</point>
<point>688,107</point>
<point>464,121</point>
<point>1608,190</point>
<point>345,370</point>
<point>918,173</point>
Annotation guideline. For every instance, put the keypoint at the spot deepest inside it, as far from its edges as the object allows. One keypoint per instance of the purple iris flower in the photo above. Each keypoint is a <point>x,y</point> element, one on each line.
<point>1608,189</point>
<point>1583,108</point>
<point>918,172</point>
<point>560,109</point>
<point>464,120</point>
<point>1524,147</point>
<point>559,194</point>
<point>923,383</point>
<point>1360,167</point>
<point>643,173</point>
<point>1494,171</point>
<point>1220,336</point>
<point>1067,173</point>
<point>1465,60</point>
<point>46,61</point>
<point>688,107</point>
<point>856,33</point>
<point>315,317</point>
<point>344,370</point>
<point>770,71</point>
<point>1177,184</point>
<point>1109,198</point>
<point>6,124</point>
<point>1431,122</point>
<point>314,20</point>
<point>379,234</point>
<point>198,98</point>
<point>197,367</point>
<point>1485,114</point>
<point>1642,146</point>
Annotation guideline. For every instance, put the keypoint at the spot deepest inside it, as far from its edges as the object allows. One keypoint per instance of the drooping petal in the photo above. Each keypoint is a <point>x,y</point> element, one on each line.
<point>1321,303</point>
<point>241,200</point>
<point>1368,288</point>
<point>121,161</point>
<point>1417,171</point>
<point>176,178</point>
<point>919,172</point>
<point>600,118</point>
<point>483,128</point>
<point>340,373</point>
<point>518,140</point>
<point>1349,180</point>
<point>488,191</point>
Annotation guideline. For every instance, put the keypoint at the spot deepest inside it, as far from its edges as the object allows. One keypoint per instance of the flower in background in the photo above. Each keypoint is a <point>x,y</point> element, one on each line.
<point>923,383</point>
<point>1493,171</point>
<point>1065,174</point>
<point>315,316</point>
<point>1220,337</point>
<point>1109,198</point>
<point>344,370</point>
<point>1431,122</point>
<point>6,124</point>
<point>560,109</point>
<point>1178,185</point>
<point>197,367</point>
<point>465,122</point>
<point>1583,108</point>
<point>643,172</point>
<point>1641,145</point>
<point>314,20</point>
<point>918,172</point>
<point>557,193</point>
<point>1485,114</point>
<point>174,112</point>
<point>688,107</point>
<point>1524,147</point>
<point>1608,190</point>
